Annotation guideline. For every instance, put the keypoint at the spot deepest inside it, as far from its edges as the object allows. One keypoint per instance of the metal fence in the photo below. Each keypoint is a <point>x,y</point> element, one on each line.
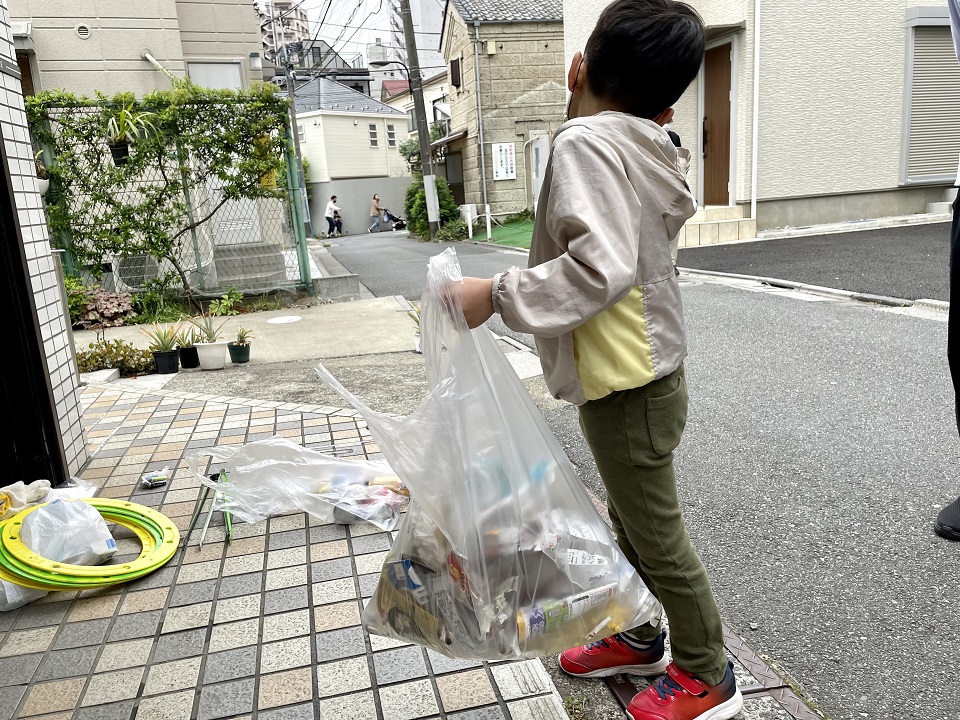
<point>254,245</point>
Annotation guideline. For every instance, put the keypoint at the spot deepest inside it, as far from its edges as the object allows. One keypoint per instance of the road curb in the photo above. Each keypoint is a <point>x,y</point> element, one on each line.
<point>819,290</point>
<point>941,305</point>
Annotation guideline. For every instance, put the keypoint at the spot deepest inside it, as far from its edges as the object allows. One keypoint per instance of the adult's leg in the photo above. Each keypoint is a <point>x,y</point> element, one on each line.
<point>331,225</point>
<point>948,519</point>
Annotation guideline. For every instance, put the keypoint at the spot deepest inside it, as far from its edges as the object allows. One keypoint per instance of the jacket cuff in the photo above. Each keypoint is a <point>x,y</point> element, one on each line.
<point>495,289</point>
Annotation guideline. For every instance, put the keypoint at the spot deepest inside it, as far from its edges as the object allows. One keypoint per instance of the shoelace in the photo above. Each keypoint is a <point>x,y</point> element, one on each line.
<point>667,686</point>
<point>598,644</point>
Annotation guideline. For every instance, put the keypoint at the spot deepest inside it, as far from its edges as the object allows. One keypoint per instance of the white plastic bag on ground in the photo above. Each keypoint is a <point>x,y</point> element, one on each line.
<point>71,532</point>
<point>502,554</point>
<point>276,476</point>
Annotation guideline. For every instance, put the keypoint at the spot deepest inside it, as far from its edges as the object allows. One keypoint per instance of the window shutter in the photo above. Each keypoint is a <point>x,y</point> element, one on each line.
<point>934,107</point>
<point>455,72</point>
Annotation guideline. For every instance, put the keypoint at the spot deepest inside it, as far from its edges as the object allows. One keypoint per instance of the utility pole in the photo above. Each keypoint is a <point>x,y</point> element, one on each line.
<point>423,130</point>
<point>283,56</point>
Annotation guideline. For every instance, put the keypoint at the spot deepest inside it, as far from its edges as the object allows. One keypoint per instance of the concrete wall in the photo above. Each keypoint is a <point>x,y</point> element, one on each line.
<point>831,97</point>
<point>108,60</point>
<point>522,91</point>
<point>353,197</point>
<point>54,322</point>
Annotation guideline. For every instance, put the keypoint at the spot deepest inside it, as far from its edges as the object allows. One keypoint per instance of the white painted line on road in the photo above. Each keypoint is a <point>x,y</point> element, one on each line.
<point>526,364</point>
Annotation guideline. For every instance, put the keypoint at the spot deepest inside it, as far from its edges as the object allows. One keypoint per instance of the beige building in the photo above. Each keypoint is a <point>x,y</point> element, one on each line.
<point>514,48</point>
<point>86,46</point>
<point>351,143</point>
<point>858,112</point>
<point>435,102</point>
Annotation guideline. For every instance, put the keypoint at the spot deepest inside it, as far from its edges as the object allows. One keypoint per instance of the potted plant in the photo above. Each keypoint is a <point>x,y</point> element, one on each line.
<point>240,348</point>
<point>125,126</point>
<point>43,182</point>
<point>212,351</point>
<point>163,344</point>
<point>415,316</point>
<point>186,340</point>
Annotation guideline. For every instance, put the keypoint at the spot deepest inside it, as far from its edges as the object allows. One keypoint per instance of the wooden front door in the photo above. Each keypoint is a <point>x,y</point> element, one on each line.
<point>716,125</point>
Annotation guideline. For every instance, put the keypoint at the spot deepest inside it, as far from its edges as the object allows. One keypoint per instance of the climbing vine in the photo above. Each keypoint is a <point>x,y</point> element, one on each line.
<point>191,150</point>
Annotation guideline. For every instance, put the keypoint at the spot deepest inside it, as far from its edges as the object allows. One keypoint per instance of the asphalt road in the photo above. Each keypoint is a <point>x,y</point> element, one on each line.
<point>820,445</point>
<point>906,262</point>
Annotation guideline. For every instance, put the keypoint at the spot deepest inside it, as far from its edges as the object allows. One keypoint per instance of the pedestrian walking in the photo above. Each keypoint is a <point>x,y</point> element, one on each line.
<point>375,212</point>
<point>330,214</point>
<point>947,523</point>
<point>602,300</point>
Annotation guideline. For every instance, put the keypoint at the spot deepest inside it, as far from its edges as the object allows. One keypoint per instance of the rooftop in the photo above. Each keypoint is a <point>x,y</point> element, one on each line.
<point>324,94</point>
<point>509,10</point>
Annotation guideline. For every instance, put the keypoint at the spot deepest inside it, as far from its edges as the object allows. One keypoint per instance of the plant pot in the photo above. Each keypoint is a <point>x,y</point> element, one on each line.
<point>120,152</point>
<point>213,356</point>
<point>239,354</point>
<point>43,184</point>
<point>189,358</point>
<point>168,362</point>
<point>416,342</point>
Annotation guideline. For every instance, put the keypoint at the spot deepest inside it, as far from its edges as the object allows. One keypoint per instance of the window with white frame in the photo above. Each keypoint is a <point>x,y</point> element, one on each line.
<point>301,133</point>
<point>374,142</point>
<point>931,129</point>
<point>391,136</point>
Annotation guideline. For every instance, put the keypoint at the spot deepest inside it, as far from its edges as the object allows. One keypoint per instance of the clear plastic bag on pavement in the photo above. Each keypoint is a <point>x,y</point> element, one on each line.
<point>275,476</point>
<point>502,553</point>
<point>68,531</point>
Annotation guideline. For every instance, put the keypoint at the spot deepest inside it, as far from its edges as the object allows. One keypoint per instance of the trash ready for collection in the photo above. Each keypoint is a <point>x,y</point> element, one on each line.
<point>275,476</point>
<point>502,553</point>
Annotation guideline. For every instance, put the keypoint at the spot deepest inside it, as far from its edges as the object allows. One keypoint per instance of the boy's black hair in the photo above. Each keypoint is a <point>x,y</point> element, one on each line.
<point>643,54</point>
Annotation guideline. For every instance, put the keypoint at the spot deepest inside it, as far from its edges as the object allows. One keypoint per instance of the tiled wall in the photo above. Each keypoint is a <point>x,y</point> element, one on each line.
<point>54,325</point>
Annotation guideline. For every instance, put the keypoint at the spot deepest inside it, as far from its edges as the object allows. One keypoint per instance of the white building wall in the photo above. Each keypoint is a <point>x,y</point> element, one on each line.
<point>831,92</point>
<point>54,323</point>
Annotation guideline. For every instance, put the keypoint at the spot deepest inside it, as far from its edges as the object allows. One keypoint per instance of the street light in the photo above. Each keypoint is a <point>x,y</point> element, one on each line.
<point>423,134</point>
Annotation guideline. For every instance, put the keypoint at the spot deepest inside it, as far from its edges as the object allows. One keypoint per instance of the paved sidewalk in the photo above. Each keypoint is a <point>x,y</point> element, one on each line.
<point>266,627</point>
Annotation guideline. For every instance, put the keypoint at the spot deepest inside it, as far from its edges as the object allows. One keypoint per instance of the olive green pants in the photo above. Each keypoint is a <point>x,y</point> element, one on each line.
<point>632,435</point>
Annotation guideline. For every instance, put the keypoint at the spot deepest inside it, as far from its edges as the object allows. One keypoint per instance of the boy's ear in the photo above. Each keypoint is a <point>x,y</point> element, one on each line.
<point>664,117</point>
<point>576,69</point>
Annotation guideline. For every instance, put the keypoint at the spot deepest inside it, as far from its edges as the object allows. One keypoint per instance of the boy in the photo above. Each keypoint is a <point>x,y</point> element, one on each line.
<point>602,299</point>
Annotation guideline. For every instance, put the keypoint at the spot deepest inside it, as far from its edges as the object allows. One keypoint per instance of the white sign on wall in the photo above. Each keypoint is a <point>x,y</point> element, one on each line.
<point>504,161</point>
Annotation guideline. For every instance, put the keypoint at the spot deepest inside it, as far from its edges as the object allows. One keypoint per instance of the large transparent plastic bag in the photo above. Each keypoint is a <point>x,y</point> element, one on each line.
<point>275,476</point>
<point>501,554</point>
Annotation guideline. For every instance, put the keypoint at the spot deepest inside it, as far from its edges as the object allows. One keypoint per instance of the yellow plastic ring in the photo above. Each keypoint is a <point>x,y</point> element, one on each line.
<point>148,560</point>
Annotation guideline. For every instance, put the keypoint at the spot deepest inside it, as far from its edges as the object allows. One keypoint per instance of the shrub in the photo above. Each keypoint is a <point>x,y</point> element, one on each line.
<point>227,303</point>
<point>452,231</point>
<point>105,309</point>
<point>78,296</point>
<point>415,205</point>
<point>123,356</point>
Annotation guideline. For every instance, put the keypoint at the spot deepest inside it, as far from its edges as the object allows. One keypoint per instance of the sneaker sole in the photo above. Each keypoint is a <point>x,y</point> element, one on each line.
<point>657,668</point>
<point>946,532</point>
<point>724,711</point>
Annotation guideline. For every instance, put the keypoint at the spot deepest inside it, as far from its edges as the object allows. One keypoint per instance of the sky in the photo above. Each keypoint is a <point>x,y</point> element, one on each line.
<point>365,21</point>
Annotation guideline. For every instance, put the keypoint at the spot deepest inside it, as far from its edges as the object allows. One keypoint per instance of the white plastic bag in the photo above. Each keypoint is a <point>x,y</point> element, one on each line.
<point>275,476</point>
<point>502,554</point>
<point>68,531</point>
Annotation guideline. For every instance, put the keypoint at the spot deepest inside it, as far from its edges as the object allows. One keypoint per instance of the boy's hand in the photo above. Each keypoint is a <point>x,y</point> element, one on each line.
<point>477,301</point>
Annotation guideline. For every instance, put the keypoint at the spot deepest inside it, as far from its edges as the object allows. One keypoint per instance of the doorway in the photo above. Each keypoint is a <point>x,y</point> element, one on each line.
<point>717,86</point>
<point>454,163</point>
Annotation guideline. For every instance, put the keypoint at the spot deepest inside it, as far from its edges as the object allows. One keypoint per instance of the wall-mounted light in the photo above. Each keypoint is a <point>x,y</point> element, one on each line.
<point>354,122</point>
<point>256,62</point>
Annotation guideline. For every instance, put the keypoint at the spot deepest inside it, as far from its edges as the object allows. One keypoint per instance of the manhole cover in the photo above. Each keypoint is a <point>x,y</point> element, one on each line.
<point>284,320</point>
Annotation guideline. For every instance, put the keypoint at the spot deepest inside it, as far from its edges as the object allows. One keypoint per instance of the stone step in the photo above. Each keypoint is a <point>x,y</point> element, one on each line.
<point>720,231</point>
<point>715,213</point>
<point>242,260</point>
<point>246,280</point>
<point>939,208</point>
<point>950,194</point>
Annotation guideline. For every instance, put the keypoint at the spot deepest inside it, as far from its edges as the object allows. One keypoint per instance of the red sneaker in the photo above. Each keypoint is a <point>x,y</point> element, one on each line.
<point>613,656</point>
<point>681,696</point>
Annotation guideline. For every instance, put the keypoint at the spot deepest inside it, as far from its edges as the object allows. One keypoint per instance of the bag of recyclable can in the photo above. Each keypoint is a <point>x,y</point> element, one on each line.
<point>501,554</point>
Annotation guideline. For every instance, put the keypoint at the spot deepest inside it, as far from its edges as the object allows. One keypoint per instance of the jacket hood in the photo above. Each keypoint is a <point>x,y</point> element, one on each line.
<point>646,148</point>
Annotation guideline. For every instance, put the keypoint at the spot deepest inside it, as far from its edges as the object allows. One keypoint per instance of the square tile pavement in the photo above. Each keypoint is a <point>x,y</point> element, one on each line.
<point>267,625</point>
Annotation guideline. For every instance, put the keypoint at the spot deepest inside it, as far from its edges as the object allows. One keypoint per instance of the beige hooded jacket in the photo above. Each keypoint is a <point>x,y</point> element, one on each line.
<point>601,295</point>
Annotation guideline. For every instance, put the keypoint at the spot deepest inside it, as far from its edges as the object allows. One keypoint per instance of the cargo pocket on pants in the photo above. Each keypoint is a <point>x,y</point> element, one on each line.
<point>667,417</point>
